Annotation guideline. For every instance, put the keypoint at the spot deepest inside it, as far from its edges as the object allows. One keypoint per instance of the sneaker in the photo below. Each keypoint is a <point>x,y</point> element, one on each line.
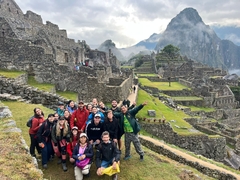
<point>127,157</point>
<point>64,166</point>
<point>115,177</point>
<point>45,166</point>
<point>141,157</point>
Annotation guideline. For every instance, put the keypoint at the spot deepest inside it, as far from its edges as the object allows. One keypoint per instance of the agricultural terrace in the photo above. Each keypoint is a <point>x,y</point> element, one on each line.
<point>162,85</point>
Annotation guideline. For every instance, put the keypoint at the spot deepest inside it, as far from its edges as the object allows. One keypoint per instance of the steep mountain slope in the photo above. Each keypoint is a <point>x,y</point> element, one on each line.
<point>198,41</point>
<point>108,44</point>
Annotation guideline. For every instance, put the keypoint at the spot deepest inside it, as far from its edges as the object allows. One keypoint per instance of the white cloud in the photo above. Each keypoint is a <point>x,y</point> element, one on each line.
<point>126,22</point>
<point>233,38</point>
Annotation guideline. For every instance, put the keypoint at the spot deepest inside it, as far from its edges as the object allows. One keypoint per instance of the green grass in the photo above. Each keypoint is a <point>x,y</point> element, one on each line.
<point>206,109</point>
<point>132,169</point>
<point>127,67</point>
<point>68,95</point>
<point>11,73</point>
<point>41,86</point>
<point>187,98</point>
<point>164,111</point>
<point>150,75</point>
<point>175,86</point>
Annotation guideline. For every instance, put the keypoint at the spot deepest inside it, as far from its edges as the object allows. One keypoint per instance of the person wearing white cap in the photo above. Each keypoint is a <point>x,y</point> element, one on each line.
<point>73,142</point>
<point>94,130</point>
<point>83,154</point>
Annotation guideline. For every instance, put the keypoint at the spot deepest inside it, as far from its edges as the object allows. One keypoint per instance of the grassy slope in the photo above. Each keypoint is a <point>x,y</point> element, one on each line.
<point>132,169</point>
<point>10,73</point>
<point>162,85</point>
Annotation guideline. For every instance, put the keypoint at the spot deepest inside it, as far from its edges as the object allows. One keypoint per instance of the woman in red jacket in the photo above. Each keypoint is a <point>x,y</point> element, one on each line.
<point>73,142</point>
<point>37,121</point>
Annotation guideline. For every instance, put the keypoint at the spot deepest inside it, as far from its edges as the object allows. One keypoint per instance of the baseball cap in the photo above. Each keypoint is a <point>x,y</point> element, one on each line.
<point>75,127</point>
<point>83,134</point>
<point>81,102</point>
<point>97,115</point>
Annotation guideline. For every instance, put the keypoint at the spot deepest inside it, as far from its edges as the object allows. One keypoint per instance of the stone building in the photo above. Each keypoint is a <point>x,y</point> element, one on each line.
<point>45,51</point>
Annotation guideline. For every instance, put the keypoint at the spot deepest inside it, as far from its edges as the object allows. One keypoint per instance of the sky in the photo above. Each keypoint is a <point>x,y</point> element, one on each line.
<point>126,22</point>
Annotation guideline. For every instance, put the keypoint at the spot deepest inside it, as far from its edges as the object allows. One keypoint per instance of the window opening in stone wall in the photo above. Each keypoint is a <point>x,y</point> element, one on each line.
<point>17,12</point>
<point>66,57</point>
<point>9,9</point>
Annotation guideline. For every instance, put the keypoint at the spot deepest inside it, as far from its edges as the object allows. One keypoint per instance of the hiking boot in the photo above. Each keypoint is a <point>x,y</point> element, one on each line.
<point>127,157</point>
<point>33,155</point>
<point>59,161</point>
<point>141,157</point>
<point>45,166</point>
<point>115,177</point>
<point>64,166</point>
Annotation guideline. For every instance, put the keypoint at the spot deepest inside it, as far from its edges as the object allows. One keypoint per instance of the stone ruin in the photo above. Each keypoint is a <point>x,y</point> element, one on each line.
<point>45,51</point>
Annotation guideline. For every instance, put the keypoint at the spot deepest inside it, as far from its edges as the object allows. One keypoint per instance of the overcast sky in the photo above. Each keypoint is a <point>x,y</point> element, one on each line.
<point>126,22</point>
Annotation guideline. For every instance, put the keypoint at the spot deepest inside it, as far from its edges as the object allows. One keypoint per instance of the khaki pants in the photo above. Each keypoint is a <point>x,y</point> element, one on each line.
<point>80,172</point>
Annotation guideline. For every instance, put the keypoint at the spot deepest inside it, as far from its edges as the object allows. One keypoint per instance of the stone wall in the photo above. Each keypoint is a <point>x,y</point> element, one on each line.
<point>29,93</point>
<point>213,148</point>
<point>115,81</point>
<point>203,169</point>
<point>184,92</point>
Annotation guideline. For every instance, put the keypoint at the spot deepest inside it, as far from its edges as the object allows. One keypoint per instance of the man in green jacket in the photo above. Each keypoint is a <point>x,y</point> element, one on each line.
<point>130,127</point>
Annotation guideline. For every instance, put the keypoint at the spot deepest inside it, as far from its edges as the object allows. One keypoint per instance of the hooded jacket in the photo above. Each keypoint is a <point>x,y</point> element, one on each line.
<point>81,116</point>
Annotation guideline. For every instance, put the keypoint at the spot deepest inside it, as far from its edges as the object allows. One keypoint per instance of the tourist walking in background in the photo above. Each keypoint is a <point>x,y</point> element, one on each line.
<point>79,117</point>
<point>130,127</point>
<point>134,89</point>
<point>37,121</point>
<point>44,139</point>
<point>82,154</point>
<point>60,137</point>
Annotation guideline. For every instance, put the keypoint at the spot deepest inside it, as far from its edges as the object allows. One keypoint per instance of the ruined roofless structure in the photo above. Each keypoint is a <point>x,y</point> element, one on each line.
<point>46,52</point>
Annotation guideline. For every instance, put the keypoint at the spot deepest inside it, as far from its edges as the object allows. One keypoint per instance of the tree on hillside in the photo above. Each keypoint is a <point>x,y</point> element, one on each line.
<point>170,52</point>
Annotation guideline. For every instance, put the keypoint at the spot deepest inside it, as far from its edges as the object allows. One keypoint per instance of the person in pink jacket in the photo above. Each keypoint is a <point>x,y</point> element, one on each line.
<point>37,121</point>
<point>79,117</point>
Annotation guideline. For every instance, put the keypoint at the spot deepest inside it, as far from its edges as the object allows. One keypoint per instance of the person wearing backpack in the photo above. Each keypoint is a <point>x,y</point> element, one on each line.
<point>37,121</point>
<point>44,139</point>
<point>60,137</point>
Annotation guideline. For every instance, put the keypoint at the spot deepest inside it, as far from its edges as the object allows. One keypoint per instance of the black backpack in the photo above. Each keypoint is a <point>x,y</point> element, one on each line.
<point>29,122</point>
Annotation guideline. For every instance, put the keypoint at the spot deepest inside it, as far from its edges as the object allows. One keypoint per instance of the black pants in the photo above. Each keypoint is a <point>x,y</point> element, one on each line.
<point>33,144</point>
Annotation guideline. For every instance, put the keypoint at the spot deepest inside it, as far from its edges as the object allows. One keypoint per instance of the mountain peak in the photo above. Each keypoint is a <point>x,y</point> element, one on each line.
<point>187,17</point>
<point>108,43</point>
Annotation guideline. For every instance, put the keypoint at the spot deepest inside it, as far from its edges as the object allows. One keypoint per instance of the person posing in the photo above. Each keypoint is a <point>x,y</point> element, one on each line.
<point>130,127</point>
<point>60,109</point>
<point>94,130</point>
<point>107,154</point>
<point>79,117</point>
<point>71,107</point>
<point>92,114</point>
<point>114,107</point>
<point>37,121</point>
<point>60,136</point>
<point>103,108</point>
<point>111,125</point>
<point>44,139</point>
<point>82,154</point>
<point>95,102</point>
<point>67,116</point>
<point>73,142</point>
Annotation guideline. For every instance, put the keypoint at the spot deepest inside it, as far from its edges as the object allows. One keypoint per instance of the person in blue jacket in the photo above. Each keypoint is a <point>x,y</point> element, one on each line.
<point>92,114</point>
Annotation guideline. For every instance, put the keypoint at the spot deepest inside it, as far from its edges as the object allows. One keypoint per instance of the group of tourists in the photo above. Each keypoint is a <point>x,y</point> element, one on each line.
<point>74,132</point>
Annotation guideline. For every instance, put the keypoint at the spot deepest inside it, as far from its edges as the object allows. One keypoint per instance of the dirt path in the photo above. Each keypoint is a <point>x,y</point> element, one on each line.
<point>132,98</point>
<point>190,158</point>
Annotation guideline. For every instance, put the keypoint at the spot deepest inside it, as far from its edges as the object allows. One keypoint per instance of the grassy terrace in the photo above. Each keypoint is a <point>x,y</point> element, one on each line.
<point>187,98</point>
<point>149,75</point>
<point>163,110</point>
<point>11,73</point>
<point>175,86</point>
<point>132,169</point>
<point>206,109</point>
<point>41,86</point>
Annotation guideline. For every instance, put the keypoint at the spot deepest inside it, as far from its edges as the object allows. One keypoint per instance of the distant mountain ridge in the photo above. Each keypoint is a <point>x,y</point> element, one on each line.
<point>198,41</point>
<point>109,44</point>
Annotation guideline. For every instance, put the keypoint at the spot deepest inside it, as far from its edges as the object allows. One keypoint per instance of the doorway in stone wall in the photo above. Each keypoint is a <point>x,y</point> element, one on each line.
<point>66,57</point>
